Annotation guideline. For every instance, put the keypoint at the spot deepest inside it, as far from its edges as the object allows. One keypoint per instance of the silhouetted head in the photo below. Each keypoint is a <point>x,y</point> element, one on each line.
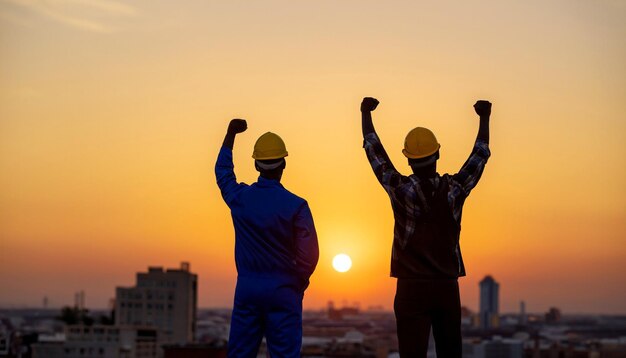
<point>422,151</point>
<point>269,155</point>
<point>424,167</point>
<point>271,169</point>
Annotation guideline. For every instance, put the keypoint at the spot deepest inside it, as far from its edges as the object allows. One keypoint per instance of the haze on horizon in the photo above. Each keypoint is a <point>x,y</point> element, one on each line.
<point>112,114</point>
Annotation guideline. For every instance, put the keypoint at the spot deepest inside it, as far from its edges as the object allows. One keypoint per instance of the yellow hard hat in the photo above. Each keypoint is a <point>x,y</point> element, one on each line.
<point>269,146</point>
<point>420,143</point>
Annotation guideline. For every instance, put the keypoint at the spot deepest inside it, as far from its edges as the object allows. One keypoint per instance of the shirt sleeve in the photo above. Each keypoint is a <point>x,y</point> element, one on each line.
<point>307,249</point>
<point>384,170</point>
<point>225,175</point>
<point>472,170</point>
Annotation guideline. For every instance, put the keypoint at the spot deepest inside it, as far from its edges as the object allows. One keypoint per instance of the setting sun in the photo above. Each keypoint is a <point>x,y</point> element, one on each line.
<point>342,263</point>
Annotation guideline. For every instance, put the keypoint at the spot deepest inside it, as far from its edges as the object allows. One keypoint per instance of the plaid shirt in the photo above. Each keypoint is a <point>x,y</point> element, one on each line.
<point>407,197</point>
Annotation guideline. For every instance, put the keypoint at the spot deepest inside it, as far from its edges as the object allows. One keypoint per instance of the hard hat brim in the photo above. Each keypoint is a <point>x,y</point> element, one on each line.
<point>269,156</point>
<point>420,156</point>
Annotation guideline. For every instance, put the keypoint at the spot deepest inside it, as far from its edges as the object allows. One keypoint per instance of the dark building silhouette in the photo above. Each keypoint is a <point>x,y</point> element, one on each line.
<point>489,303</point>
<point>165,299</point>
<point>553,315</point>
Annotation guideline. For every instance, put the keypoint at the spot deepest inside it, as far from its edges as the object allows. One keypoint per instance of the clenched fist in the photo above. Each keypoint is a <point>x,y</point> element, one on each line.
<point>483,108</point>
<point>237,126</point>
<point>369,104</point>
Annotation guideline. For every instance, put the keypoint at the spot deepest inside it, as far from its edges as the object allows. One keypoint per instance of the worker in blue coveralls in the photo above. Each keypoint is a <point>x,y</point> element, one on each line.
<point>276,250</point>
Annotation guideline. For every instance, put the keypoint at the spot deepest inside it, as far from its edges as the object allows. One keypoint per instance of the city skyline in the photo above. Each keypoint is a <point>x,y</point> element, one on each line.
<point>112,115</point>
<point>491,296</point>
<point>143,325</point>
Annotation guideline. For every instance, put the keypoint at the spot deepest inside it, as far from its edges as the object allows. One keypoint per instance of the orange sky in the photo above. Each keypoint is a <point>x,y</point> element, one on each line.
<point>112,114</point>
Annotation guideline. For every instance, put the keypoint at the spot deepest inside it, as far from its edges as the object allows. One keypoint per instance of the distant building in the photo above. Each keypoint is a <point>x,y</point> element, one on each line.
<point>523,319</point>
<point>79,300</point>
<point>489,303</point>
<point>340,313</point>
<point>5,341</point>
<point>495,348</point>
<point>553,315</point>
<point>164,299</point>
<point>98,341</point>
<point>466,312</point>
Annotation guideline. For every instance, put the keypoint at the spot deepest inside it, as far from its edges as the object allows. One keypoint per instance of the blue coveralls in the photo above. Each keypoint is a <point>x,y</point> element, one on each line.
<point>276,252</point>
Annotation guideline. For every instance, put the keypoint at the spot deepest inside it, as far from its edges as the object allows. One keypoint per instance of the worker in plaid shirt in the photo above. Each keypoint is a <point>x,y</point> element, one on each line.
<point>427,207</point>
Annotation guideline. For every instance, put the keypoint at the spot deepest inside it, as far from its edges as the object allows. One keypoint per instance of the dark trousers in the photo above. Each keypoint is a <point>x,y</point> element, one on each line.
<point>265,307</point>
<point>420,304</point>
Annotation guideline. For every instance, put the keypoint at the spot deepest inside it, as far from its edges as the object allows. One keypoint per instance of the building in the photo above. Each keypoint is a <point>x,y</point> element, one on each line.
<point>489,303</point>
<point>5,337</point>
<point>340,313</point>
<point>164,299</point>
<point>79,300</point>
<point>495,348</point>
<point>553,315</point>
<point>99,341</point>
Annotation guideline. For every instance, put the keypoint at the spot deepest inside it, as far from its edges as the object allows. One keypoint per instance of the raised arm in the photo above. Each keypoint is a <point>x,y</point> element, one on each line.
<point>483,109</point>
<point>224,168</point>
<point>472,170</point>
<point>367,106</point>
<point>384,170</point>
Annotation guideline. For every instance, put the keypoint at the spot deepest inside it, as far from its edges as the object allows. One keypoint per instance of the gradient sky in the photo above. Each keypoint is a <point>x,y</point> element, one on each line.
<point>112,114</point>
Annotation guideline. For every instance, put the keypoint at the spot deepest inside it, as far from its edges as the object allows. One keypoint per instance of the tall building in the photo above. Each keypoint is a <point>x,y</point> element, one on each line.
<point>164,299</point>
<point>489,302</point>
<point>79,300</point>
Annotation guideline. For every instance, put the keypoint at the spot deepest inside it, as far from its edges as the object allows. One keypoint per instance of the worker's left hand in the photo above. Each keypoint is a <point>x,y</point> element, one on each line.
<point>237,126</point>
<point>483,108</point>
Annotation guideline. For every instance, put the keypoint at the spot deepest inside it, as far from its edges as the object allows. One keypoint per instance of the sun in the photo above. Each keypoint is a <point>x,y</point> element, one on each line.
<point>342,263</point>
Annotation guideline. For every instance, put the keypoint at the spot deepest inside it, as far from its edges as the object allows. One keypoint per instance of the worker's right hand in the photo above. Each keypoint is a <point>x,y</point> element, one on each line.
<point>369,104</point>
<point>237,126</point>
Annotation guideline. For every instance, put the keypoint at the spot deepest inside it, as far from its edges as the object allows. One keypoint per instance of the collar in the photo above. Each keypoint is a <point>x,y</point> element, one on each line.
<point>264,182</point>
